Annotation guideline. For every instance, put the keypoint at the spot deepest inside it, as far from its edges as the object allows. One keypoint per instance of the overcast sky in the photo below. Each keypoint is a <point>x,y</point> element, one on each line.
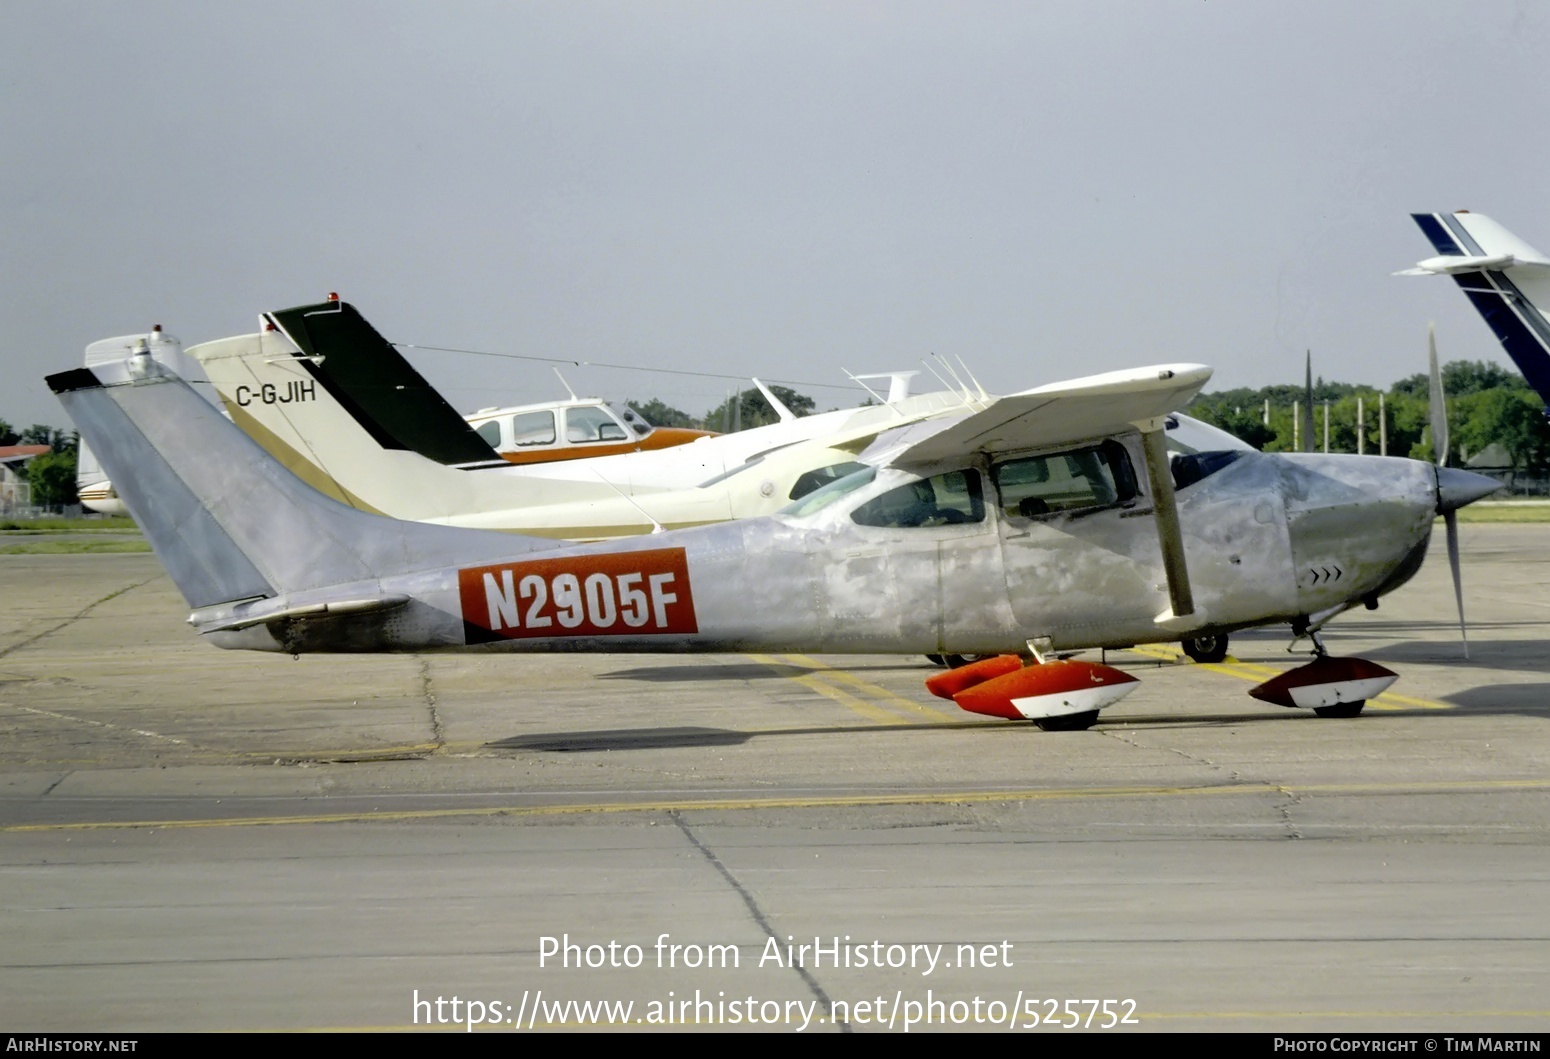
<point>782,189</point>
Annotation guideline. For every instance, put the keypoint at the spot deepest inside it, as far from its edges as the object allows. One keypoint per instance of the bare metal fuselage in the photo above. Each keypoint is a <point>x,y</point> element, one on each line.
<point>1269,538</point>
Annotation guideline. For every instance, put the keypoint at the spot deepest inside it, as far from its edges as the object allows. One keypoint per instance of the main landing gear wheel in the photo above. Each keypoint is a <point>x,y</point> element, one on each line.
<point>1206,648</point>
<point>955,661</point>
<point>1341,709</point>
<point>1068,722</point>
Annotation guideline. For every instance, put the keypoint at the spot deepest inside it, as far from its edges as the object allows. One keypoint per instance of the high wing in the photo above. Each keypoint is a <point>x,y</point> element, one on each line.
<point>1061,413</point>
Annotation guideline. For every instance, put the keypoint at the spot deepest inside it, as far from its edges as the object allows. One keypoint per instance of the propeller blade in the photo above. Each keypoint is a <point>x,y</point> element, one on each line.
<point>1451,521</point>
<point>1439,402</point>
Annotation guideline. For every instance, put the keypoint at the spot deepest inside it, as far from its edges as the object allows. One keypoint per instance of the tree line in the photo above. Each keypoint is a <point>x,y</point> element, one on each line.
<point>1486,404</point>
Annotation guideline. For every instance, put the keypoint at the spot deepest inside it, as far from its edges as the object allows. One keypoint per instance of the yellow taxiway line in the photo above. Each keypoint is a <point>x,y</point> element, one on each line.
<point>691,804</point>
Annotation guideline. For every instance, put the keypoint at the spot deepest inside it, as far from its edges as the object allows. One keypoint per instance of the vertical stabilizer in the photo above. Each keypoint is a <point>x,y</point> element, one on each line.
<point>1506,279</point>
<point>227,521</point>
<point>343,353</point>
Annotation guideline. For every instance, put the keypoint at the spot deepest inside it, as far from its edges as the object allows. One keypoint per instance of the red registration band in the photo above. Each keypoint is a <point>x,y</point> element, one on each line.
<point>622,594</point>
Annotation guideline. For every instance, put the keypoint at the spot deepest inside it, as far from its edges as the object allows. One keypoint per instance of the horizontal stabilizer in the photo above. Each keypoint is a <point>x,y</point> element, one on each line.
<point>261,612</point>
<point>1453,264</point>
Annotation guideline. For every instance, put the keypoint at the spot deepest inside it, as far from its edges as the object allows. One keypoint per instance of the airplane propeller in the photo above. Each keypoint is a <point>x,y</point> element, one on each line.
<point>1455,488</point>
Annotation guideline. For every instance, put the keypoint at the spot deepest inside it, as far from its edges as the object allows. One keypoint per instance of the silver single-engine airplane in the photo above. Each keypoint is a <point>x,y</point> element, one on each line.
<point>1050,522</point>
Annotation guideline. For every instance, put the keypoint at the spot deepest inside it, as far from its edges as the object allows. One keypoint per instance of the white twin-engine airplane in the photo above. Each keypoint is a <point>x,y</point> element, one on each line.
<point>353,419</point>
<point>1047,522</point>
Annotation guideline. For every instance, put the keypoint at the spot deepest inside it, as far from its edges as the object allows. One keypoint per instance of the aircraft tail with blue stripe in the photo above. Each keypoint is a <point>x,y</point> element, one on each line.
<point>1507,280</point>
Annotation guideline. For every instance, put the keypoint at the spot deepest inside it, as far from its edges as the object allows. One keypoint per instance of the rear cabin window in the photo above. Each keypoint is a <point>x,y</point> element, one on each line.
<point>532,428</point>
<point>1066,481</point>
<point>491,432</point>
<point>945,500</point>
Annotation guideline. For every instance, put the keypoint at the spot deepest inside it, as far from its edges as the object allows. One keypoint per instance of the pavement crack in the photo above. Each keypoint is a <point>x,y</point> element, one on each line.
<point>1129,740</point>
<point>438,731</point>
<point>77,616</point>
<point>62,777</point>
<point>757,913</point>
<point>1285,809</point>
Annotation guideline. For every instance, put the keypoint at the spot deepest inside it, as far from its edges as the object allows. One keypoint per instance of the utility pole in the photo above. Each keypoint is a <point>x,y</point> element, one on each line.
<point>1361,429</point>
<point>1326,428</point>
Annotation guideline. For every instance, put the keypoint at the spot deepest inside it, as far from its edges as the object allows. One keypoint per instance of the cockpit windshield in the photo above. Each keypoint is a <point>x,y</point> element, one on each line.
<point>819,499</point>
<point>1187,435</point>
<point>1187,470</point>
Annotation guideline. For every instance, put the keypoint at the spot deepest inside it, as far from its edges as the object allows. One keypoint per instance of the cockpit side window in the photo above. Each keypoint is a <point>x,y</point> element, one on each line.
<point>591,424</point>
<point>944,500</point>
<point>1093,477</point>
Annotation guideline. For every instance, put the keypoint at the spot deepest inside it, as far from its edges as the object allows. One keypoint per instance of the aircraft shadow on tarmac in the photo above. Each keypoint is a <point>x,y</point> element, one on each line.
<point>1483,654</point>
<point>744,671</point>
<point>691,672</point>
<point>1529,699</point>
<point>670,738</point>
<point>618,739</point>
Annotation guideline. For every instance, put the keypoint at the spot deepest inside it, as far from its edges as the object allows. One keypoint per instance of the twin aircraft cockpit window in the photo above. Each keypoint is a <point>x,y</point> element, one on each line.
<point>583,425</point>
<point>591,424</point>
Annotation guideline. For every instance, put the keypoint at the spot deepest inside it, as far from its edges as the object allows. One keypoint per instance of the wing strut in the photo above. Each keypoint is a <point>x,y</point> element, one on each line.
<point>1160,478</point>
